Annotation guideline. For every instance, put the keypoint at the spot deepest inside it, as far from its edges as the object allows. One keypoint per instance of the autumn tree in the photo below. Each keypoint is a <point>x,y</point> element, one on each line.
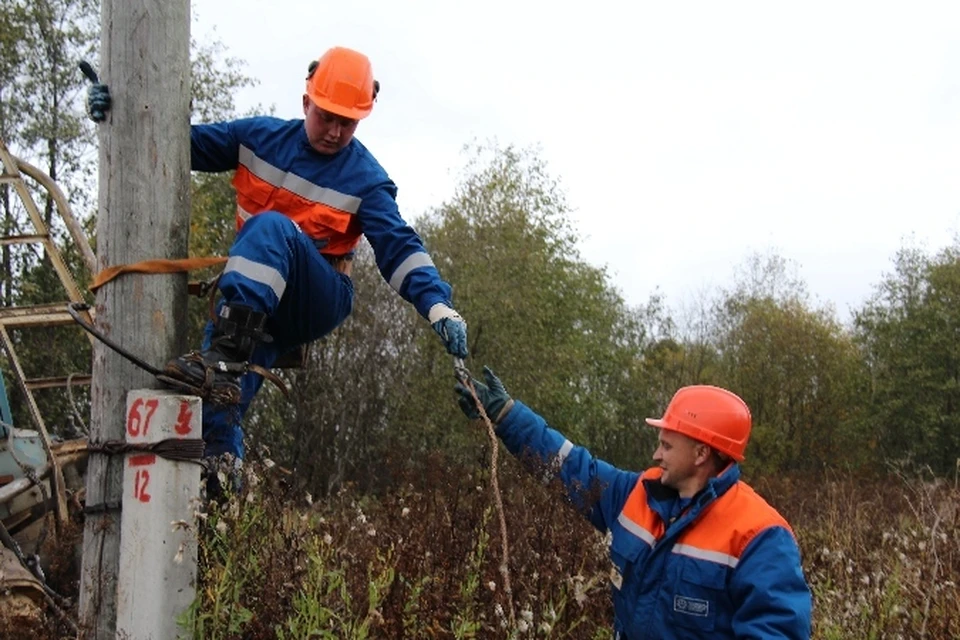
<point>793,363</point>
<point>42,122</point>
<point>909,334</point>
<point>546,320</point>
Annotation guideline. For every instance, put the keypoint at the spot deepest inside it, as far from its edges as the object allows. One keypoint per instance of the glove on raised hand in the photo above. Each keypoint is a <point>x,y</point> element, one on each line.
<point>451,328</point>
<point>98,102</point>
<point>98,94</point>
<point>492,395</point>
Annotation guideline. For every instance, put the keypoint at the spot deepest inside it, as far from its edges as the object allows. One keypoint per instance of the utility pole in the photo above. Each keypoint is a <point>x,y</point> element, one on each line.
<point>143,213</point>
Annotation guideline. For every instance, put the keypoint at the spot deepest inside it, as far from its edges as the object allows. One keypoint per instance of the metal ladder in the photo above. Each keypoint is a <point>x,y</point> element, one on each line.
<point>13,173</point>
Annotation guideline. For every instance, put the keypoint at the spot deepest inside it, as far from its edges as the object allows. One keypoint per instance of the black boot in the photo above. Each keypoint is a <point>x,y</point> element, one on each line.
<point>214,373</point>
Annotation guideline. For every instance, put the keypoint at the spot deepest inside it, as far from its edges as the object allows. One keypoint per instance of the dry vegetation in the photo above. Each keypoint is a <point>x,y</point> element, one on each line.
<point>421,561</point>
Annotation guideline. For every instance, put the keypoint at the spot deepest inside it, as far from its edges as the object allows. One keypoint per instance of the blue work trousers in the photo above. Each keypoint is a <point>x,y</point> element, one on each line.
<point>282,274</point>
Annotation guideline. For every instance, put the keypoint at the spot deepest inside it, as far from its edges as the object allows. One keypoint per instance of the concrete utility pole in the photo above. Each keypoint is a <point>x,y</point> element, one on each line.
<point>143,214</point>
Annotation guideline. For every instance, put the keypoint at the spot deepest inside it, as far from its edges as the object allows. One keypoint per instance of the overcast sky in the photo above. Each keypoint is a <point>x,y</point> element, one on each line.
<point>687,135</point>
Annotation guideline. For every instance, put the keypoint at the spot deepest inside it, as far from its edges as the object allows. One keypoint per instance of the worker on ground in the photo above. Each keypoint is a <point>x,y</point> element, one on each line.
<point>696,552</point>
<point>307,190</point>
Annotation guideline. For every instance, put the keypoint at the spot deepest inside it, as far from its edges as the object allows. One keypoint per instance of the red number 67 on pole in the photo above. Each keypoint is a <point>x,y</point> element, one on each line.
<point>138,418</point>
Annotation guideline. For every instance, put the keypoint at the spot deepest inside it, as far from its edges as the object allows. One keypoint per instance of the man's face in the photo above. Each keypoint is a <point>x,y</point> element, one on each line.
<point>679,457</point>
<point>327,132</point>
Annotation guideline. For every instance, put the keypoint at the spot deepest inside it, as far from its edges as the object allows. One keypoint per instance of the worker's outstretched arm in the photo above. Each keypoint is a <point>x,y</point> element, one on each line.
<point>596,488</point>
<point>408,268</point>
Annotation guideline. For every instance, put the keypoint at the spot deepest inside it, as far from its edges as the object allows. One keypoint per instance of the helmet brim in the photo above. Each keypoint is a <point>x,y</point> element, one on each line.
<point>696,435</point>
<point>340,110</point>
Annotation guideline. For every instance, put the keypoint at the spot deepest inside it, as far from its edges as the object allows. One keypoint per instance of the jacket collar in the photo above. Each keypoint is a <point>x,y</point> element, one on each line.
<point>661,498</point>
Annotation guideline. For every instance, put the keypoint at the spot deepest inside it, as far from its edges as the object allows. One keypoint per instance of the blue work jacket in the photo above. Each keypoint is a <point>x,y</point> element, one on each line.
<point>334,199</point>
<point>724,566</point>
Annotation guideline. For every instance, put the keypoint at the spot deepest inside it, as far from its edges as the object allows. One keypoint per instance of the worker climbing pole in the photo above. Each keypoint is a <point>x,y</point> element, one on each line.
<point>287,281</point>
<point>143,213</point>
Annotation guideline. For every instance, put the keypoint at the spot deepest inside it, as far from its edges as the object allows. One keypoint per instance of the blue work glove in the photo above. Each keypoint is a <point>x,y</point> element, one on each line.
<point>98,102</point>
<point>98,94</point>
<point>451,328</point>
<point>493,396</point>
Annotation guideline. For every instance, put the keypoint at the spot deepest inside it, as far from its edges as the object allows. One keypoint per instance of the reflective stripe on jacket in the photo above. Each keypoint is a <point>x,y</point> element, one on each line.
<point>334,199</point>
<point>726,567</point>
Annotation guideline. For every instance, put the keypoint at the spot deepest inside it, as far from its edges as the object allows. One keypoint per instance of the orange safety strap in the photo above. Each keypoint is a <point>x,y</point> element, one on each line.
<point>154,266</point>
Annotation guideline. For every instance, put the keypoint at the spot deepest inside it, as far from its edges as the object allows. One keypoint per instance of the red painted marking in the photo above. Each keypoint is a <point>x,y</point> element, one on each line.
<point>182,427</point>
<point>136,424</point>
<point>142,460</point>
<point>140,482</point>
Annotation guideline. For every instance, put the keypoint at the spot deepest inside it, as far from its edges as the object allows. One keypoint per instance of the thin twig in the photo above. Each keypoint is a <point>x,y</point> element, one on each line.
<point>498,499</point>
<point>73,405</point>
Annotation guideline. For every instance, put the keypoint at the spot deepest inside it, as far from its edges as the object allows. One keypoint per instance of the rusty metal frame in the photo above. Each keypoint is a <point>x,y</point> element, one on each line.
<point>13,172</point>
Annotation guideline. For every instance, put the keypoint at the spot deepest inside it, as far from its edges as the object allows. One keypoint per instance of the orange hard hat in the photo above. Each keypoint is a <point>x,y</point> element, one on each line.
<point>342,82</point>
<point>711,415</point>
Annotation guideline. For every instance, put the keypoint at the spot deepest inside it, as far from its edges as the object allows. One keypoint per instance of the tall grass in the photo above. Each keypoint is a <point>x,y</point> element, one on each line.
<point>882,556</point>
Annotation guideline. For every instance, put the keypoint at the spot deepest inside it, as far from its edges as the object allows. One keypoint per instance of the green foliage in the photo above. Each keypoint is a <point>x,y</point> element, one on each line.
<point>43,120</point>
<point>331,430</point>
<point>13,32</point>
<point>466,621</point>
<point>548,322</point>
<point>321,608</point>
<point>909,335</point>
<point>215,78</point>
<point>380,387</point>
<point>311,619</point>
<point>220,610</point>
<point>551,325</point>
<point>794,365</point>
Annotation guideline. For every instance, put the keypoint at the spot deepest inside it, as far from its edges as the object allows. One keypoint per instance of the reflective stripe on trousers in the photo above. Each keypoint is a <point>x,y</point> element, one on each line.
<point>315,300</point>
